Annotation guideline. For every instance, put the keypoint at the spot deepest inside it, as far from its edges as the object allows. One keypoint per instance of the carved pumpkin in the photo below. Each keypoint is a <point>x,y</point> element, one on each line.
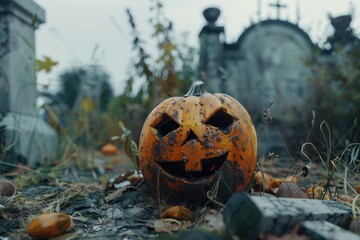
<point>190,143</point>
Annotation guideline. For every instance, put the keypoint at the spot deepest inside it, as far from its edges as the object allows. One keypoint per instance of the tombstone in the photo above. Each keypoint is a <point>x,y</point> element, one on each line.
<point>91,87</point>
<point>266,64</point>
<point>211,52</point>
<point>24,134</point>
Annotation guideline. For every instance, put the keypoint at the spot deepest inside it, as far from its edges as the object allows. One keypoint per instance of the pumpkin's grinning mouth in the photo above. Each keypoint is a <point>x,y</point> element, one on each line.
<point>209,167</point>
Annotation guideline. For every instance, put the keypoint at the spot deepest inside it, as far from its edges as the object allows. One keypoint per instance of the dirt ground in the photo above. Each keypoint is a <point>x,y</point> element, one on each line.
<point>129,210</point>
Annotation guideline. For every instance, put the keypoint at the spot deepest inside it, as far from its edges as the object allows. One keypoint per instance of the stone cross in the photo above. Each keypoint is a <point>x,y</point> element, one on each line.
<point>23,134</point>
<point>278,6</point>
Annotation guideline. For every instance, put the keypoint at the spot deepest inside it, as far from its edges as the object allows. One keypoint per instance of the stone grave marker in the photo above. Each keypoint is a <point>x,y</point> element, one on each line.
<point>248,216</point>
<point>23,133</point>
<point>265,64</point>
<point>91,86</point>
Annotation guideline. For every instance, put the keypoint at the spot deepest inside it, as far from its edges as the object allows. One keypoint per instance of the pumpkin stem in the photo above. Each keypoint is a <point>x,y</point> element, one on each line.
<point>196,89</point>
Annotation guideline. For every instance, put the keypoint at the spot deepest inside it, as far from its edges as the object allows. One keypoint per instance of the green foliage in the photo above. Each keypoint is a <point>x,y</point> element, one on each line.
<point>81,121</point>
<point>45,65</point>
<point>170,70</point>
<point>337,88</point>
<point>169,73</point>
<point>106,95</point>
<point>70,83</point>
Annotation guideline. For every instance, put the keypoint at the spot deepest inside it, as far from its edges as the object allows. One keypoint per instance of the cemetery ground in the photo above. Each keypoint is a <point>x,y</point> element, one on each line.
<point>108,199</point>
<point>92,190</point>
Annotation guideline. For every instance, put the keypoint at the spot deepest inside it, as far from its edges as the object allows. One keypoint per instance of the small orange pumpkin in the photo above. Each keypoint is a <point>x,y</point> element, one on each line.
<point>109,149</point>
<point>178,213</point>
<point>49,225</point>
<point>189,144</point>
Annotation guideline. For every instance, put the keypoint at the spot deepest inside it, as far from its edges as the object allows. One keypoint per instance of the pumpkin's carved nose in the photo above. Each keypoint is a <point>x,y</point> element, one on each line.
<point>191,136</point>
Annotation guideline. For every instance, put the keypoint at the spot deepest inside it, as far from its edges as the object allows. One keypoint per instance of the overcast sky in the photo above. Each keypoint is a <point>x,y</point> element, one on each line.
<point>74,28</point>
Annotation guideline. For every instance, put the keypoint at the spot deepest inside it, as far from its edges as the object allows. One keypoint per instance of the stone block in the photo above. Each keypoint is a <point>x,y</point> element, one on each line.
<point>323,230</point>
<point>246,217</point>
<point>23,132</point>
<point>30,137</point>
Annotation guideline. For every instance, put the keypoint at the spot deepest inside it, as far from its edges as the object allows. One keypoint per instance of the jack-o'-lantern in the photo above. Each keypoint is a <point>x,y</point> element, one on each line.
<point>197,143</point>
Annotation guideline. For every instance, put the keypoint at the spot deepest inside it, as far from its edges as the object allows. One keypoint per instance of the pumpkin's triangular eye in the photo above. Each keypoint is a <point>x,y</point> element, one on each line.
<point>166,125</point>
<point>221,120</point>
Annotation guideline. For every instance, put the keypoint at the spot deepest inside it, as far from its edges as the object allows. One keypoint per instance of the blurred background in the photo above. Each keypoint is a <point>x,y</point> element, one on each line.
<point>292,64</point>
<point>88,31</point>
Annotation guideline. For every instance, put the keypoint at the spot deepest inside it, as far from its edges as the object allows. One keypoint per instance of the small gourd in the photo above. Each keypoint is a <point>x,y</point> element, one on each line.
<point>49,225</point>
<point>109,149</point>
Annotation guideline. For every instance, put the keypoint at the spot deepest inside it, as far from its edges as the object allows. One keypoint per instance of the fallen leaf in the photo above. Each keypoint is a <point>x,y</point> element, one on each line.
<point>317,192</point>
<point>294,179</point>
<point>357,189</point>
<point>261,185</point>
<point>112,197</point>
<point>47,64</point>
<point>90,187</point>
<point>129,233</point>
<point>133,178</point>
<point>276,182</point>
<point>213,220</point>
<point>178,213</point>
<point>346,198</point>
<point>45,195</point>
<point>168,225</point>
<point>120,179</point>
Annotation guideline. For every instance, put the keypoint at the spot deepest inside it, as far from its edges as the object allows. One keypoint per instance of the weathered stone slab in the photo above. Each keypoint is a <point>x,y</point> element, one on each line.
<point>247,216</point>
<point>323,230</point>
<point>24,135</point>
<point>18,21</point>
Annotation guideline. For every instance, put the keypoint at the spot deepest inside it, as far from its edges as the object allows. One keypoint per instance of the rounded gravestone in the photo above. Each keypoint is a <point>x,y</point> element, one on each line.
<point>272,68</point>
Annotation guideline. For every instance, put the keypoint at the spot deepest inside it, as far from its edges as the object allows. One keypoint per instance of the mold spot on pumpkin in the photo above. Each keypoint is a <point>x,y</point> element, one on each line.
<point>172,138</point>
<point>235,140</point>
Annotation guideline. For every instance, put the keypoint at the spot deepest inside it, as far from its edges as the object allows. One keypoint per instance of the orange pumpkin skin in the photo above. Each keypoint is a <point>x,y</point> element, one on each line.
<point>189,143</point>
<point>178,213</point>
<point>109,149</point>
<point>49,225</point>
